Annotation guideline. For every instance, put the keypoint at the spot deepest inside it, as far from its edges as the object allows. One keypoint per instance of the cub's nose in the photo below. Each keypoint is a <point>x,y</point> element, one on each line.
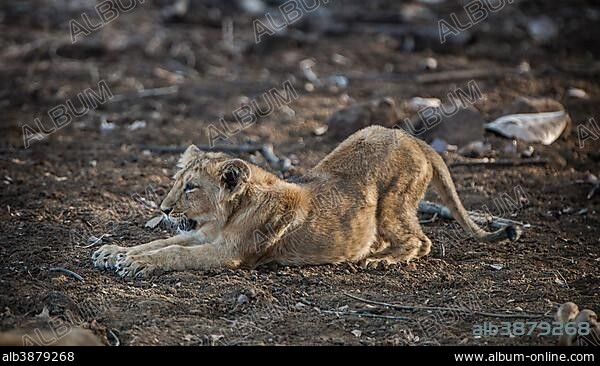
<point>166,210</point>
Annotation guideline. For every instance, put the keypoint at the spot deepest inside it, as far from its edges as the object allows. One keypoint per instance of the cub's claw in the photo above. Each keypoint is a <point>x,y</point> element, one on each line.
<point>136,266</point>
<point>106,256</point>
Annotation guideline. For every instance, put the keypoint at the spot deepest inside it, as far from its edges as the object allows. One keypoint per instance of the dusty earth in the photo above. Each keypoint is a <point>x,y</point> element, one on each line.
<point>86,181</point>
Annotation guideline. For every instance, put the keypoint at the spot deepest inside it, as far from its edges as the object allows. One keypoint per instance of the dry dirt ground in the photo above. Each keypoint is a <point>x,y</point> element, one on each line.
<point>83,180</point>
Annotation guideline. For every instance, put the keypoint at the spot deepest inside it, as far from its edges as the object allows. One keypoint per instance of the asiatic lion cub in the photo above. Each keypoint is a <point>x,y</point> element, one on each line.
<point>358,204</point>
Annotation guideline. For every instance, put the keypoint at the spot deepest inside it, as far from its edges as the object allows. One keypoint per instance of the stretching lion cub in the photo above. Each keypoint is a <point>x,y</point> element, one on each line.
<point>357,205</point>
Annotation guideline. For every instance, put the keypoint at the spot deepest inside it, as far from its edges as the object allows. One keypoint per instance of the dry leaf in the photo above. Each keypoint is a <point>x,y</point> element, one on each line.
<point>153,222</point>
<point>544,127</point>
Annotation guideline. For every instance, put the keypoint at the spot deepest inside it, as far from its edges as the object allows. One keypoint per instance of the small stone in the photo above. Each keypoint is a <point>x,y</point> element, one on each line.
<point>357,333</point>
<point>320,131</point>
<point>577,93</point>
<point>251,293</point>
<point>429,63</point>
<point>242,299</point>
<point>136,125</point>
<point>417,103</point>
<point>542,29</point>
<point>44,315</point>
<point>528,152</point>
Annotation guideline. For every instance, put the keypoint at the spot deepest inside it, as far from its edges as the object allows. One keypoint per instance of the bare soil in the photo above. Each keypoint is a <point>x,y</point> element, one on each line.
<point>82,181</point>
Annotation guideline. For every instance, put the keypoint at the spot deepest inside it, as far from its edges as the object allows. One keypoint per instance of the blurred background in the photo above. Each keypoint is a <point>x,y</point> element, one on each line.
<point>98,96</point>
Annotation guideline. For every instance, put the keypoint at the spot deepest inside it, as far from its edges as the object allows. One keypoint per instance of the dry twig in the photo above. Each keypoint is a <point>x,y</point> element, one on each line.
<point>117,341</point>
<point>366,315</point>
<point>67,272</point>
<point>442,308</point>
<point>499,162</point>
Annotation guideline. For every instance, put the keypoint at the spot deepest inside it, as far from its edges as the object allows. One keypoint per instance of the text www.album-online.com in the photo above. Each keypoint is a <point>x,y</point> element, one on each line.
<point>512,357</point>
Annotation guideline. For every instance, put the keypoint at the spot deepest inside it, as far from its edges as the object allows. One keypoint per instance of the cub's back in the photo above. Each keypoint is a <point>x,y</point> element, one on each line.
<point>366,152</point>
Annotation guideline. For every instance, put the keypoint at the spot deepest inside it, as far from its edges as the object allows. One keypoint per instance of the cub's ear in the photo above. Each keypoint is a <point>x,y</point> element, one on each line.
<point>189,154</point>
<point>234,173</point>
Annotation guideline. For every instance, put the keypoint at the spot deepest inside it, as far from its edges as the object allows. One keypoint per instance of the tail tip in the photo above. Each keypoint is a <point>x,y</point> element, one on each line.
<point>513,233</point>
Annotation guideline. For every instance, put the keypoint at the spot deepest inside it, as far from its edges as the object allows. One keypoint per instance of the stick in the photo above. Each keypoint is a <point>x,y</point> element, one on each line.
<point>67,272</point>
<point>117,341</point>
<point>265,149</point>
<point>453,75</point>
<point>366,315</point>
<point>430,220</point>
<point>157,92</point>
<point>462,310</point>
<point>495,222</point>
<point>499,162</point>
<point>99,240</point>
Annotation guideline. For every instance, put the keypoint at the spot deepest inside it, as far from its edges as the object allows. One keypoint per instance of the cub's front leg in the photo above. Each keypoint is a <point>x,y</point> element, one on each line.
<point>107,256</point>
<point>177,258</point>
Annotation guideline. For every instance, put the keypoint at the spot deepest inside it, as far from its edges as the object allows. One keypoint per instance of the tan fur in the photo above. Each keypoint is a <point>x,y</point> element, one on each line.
<point>569,312</point>
<point>45,337</point>
<point>357,205</point>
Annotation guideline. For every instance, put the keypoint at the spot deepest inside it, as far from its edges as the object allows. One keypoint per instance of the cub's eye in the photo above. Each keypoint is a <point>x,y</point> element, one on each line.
<point>189,187</point>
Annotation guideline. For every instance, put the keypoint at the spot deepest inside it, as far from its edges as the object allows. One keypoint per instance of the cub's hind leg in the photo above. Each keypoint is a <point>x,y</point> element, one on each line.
<point>398,224</point>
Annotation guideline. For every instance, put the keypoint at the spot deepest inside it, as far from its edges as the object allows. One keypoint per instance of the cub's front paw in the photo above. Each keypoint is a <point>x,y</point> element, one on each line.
<point>106,256</point>
<point>137,266</point>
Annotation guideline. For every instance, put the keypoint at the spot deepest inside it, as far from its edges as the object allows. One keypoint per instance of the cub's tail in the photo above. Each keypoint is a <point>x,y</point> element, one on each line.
<point>443,184</point>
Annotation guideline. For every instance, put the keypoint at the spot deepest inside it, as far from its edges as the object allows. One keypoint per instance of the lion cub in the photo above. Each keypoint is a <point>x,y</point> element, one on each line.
<point>359,204</point>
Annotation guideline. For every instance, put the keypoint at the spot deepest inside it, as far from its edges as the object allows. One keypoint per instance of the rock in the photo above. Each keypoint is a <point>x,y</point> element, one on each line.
<point>542,29</point>
<point>534,105</point>
<point>320,131</point>
<point>442,146</point>
<point>475,149</point>
<point>253,7</point>
<point>44,315</point>
<point>417,103</point>
<point>251,293</point>
<point>242,299</point>
<point>577,93</point>
<point>136,125</point>
<point>528,152</point>
<point>106,126</point>
<point>299,306</point>
<point>348,120</point>
<point>416,12</point>
<point>461,128</point>
<point>429,63</point>
<point>357,333</point>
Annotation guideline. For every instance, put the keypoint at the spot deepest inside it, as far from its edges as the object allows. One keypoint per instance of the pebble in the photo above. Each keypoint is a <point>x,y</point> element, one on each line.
<point>242,299</point>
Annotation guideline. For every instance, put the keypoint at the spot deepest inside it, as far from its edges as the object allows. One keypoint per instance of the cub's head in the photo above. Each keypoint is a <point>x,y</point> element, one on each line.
<point>205,189</point>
